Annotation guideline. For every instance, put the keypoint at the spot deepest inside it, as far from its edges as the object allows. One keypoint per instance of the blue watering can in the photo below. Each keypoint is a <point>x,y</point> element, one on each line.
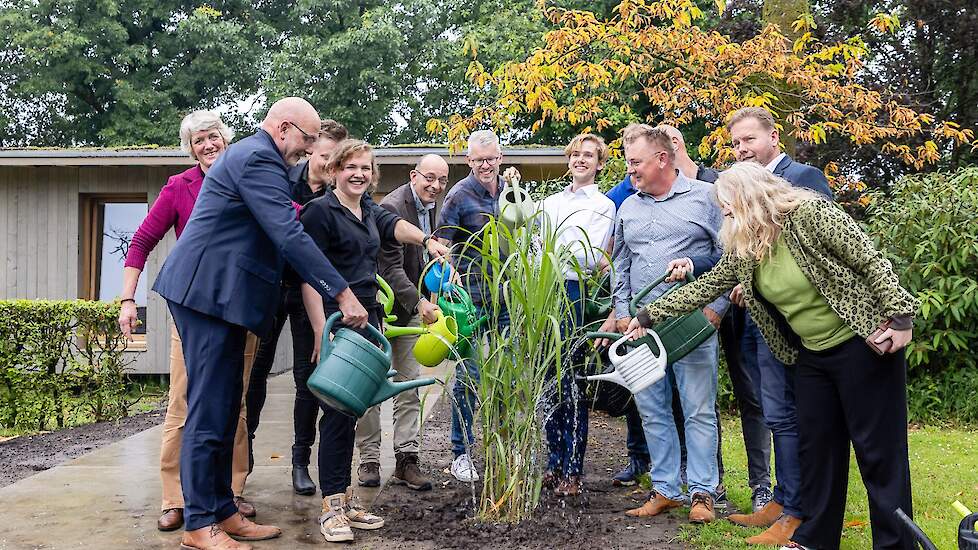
<point>352,374</point>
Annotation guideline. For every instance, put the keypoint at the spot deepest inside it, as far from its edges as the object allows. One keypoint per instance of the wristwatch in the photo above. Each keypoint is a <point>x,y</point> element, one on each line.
<point>424,240</point>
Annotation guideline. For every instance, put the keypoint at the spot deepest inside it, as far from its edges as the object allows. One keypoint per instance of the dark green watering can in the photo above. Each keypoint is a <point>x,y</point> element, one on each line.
<point>597,305</point>
<point>679,335</point>
<point>352,374</point>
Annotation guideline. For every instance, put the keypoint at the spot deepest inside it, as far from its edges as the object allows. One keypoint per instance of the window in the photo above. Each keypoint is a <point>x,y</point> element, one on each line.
<point>108,223</point>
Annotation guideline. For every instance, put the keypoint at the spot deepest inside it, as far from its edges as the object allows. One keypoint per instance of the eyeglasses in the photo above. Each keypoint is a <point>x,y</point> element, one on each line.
<point>484,162</point>
<point>431,178</point>
<point>636,162</point>
<point>307,137</point>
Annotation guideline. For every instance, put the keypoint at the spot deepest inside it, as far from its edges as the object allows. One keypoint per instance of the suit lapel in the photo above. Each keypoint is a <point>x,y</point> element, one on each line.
<point>782,166</point>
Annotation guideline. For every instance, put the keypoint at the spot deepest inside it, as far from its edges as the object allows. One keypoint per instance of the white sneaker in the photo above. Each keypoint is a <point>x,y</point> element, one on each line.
<point>796,546</point>
<point>464,470</point>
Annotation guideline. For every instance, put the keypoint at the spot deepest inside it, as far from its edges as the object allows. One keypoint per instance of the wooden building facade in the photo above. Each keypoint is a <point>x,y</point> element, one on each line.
<point>61,212</point>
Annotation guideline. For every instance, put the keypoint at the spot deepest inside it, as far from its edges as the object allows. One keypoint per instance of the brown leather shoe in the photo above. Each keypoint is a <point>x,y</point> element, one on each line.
<point>765,517</point>
<point>241,528</point>
<point>778,534</point>
<point>407,472</point>
<point>246,508</point>
<point>701,510</point>
<point>171,520</point>
<point>570,486</point>
<point>210,538</point>
<point>551,479</point>
<point>654,506</point>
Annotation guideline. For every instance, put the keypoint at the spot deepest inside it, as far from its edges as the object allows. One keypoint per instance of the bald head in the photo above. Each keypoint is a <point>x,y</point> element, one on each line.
<point>678,143</point>
<point>429,178</point>
<point>294,125</point>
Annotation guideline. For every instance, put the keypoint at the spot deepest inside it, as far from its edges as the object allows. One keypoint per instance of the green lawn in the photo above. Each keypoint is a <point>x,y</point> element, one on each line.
<point>944,468</point>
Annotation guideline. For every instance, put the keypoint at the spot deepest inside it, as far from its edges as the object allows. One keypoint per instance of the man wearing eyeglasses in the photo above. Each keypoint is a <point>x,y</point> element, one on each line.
<point>467,208</point>
<point>401,266</point>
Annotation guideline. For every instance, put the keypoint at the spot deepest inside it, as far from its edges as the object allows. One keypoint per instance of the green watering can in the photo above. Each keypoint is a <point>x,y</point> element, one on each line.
<point>386,299</point>
<point>597,305</point>
<point>352,374</point>
<point>458,304</point>
<point>679,335</point>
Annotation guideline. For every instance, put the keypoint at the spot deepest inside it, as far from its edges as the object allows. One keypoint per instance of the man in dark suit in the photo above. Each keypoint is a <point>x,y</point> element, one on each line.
<point>222,280</point>
<point>754,137</point>
<point>401,266</point>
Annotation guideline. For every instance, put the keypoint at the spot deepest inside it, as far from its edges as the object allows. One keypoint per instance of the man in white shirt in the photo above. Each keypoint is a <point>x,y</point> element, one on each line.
<point>582,218</point>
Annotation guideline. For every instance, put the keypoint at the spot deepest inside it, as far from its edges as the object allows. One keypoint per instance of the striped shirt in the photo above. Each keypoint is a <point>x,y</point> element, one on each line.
<point>649,232</point>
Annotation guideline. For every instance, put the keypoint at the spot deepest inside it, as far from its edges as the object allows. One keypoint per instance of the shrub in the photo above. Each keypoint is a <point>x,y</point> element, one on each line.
<point>60,361</point>
<point>928,226</point>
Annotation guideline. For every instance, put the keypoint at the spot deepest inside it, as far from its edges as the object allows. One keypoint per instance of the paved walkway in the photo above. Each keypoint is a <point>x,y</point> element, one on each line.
<point>110,498</point>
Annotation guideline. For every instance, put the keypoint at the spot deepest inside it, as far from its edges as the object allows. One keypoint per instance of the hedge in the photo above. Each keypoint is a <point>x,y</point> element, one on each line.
<point>60,361</point>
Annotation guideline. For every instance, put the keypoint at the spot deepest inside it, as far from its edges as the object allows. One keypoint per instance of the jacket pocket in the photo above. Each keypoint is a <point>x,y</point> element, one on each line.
<point>263,272</point>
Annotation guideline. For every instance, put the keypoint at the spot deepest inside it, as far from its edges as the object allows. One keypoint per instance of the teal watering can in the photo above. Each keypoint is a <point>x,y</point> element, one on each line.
<point>352,374</point>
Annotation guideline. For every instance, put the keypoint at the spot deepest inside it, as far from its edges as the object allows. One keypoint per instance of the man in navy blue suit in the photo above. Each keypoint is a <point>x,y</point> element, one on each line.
<point>221,280</point>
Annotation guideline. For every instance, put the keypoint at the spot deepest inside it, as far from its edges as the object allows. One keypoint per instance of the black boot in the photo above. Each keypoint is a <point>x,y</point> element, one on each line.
<point>301,482</point>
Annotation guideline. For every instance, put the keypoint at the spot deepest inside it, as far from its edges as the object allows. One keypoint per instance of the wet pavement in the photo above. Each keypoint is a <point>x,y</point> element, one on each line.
<point>110,498</point>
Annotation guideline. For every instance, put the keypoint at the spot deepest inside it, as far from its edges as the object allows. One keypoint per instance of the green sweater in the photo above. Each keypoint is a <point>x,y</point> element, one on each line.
<point>839,260</point>
<point>783,284</point>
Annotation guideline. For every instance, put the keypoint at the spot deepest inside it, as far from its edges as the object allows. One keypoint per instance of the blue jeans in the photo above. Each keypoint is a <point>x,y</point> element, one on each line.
<point>466,388</point>
<point>696,378</point>
<point>567,425</point>
<point>775,386</point>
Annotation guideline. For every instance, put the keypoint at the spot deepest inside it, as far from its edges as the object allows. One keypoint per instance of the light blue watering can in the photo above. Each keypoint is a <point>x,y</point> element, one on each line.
<point>352,374</point>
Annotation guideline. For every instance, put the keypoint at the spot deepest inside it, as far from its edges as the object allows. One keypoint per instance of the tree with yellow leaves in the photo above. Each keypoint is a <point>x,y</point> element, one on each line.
<point>589,72</point>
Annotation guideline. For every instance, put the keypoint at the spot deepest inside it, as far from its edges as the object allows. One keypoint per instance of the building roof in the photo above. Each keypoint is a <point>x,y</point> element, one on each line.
<point>164,156</point>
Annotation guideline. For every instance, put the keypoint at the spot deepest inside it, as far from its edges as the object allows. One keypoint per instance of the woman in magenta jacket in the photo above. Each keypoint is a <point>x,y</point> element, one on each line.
<point>205,137</point>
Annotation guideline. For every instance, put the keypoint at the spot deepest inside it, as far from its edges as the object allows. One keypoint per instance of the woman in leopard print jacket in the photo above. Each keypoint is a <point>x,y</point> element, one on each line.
<point>818,288</point>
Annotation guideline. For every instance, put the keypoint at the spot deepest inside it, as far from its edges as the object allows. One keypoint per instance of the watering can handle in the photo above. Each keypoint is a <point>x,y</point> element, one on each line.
<point>613,349</point>
<point>633,305</point>
<point>328,344</point>
<point>388,301</point>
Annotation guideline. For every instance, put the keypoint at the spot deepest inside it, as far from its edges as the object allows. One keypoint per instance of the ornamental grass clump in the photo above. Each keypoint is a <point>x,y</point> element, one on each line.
<point>520,361</point>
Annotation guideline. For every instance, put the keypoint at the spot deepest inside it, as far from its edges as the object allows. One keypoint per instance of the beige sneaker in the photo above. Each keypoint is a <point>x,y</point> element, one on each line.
<point>333,523</point>
<point>358,516</point>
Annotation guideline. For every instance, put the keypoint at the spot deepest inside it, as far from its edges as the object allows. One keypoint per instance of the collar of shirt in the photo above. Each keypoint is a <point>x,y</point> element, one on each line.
<point>334,202</point>
<point>418,203</point>
<point>774,163</point>
<point>680,185</point>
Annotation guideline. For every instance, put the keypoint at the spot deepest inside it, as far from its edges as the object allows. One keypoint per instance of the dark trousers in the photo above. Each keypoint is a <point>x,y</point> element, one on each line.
<point>566,427</point>
<point>848,394</point>
<point>337,430</point>
<point>776,387</point>
<point>757,436</point>
<point>306,407</point>
<point>213,351</point>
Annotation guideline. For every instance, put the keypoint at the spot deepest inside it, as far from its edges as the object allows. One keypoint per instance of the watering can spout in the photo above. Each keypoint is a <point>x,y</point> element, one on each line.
<point>611,376</point>
<point>393,332</point>
<point>390,389</point>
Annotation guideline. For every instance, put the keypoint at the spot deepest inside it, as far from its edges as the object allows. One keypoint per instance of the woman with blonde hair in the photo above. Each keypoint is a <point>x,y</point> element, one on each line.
<point>830,306</point>
<point>348,226</point>
<point>205,137</point>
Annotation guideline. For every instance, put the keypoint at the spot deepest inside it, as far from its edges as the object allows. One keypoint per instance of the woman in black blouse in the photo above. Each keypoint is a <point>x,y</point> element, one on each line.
<point>349,228</point>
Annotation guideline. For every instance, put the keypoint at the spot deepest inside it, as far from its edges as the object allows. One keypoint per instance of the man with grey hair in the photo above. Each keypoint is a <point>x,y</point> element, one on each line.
<point>401,266</point>
<point>466,210</point>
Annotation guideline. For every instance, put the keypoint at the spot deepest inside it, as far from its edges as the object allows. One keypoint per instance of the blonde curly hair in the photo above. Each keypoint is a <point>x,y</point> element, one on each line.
<point>758,201</point>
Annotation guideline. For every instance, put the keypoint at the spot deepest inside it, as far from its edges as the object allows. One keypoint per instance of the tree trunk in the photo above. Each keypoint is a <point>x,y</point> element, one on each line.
<point>784,13</point>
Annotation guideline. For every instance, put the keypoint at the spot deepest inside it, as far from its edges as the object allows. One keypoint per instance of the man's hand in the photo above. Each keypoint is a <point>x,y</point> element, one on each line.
<point>678,269</point>
<point>438,250</point>
<point>622,325</point>
<point>737,295</point>
<point>128,319</point>
<point>354,315</point>
<point>712,317</point>
<point>428,311</point>
<point>609,325</point>
<point>512,175</point>
<point>900,338</point>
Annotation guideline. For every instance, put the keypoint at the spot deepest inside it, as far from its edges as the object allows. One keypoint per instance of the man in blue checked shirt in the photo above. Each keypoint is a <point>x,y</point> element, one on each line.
<point>466,210</point>
<point>671,216</point>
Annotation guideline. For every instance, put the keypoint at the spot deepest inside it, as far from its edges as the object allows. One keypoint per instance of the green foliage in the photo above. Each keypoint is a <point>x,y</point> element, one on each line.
<point>927,226</point>
<point>123,73</point>
<point>60,360</point>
